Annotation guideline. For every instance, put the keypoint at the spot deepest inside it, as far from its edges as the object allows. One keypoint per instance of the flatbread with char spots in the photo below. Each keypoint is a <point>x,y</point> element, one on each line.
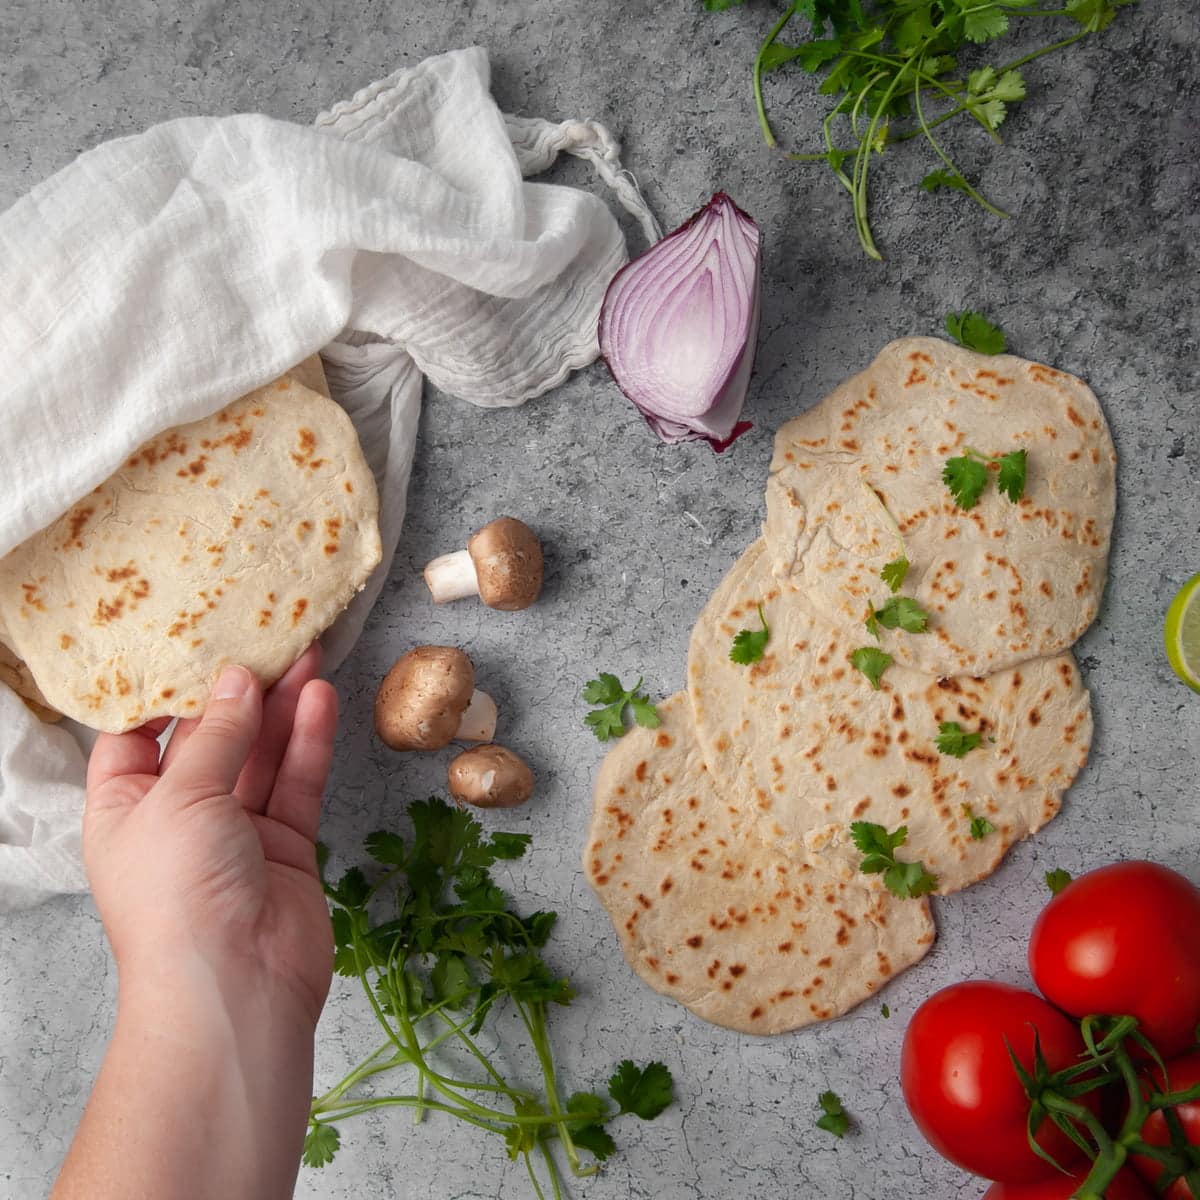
<point>237,538</point>
<point>743,934</point>
<point>808,746</point>
<point>856,481</point>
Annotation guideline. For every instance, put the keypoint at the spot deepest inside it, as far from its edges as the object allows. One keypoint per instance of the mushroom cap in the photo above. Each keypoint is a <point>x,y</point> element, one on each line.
<point>490,776</point>
<point>422,697</point>
<point>508,564</point>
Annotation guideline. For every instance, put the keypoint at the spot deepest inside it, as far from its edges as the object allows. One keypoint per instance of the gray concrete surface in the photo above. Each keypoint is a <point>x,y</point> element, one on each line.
<point>1096,273</point>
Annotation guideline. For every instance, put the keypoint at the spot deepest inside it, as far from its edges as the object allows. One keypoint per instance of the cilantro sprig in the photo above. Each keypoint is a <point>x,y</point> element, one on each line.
<point>956,741</point>
<point>980,827</point>
<point>966,475</point>
<point>974,331</point>
<point>1057,879</point>
<point>749,644</point>
<point>834,1119</point>
<point>608,721</point>
<point>898,612</point>
<point>905,880</point>
<point>891,70</point>
<point>438,949</point>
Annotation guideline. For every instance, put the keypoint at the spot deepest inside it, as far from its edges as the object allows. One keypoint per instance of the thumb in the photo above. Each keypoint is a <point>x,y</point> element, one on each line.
<point>213,756</point>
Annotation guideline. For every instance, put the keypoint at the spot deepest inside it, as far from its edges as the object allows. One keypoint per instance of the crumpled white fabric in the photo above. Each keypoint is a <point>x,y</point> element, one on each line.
<point>159,277</point>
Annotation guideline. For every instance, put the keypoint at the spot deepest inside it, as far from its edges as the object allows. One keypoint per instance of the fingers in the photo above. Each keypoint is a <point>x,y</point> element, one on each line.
<point>118,760</point>
<point>184,728</point>
<point>215,751</point>
<point>279,711</point>
<point>296,797</point>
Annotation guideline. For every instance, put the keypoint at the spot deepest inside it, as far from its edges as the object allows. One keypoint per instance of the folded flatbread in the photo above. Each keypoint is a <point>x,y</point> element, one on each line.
<point>237,538</point>
<point>856,481</point>
<point>744,935</point>
<point>812,747</point>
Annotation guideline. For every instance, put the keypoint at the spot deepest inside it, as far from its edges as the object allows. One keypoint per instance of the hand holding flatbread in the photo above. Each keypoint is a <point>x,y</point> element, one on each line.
<point>235,539</point>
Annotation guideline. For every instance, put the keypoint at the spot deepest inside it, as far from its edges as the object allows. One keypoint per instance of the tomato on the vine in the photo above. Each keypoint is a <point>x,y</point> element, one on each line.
<point>1182,1073</point>
<point>1124,940</point>
<point>1126,1186</point>
<point>962,1089</point>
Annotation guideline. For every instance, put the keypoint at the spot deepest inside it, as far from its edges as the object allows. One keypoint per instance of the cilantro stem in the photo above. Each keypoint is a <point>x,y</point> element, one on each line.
<point>979,199</point>
<point>534,1018</point>
<point>1028,58</point>
<point>862,167</point>
<point>763,123</point>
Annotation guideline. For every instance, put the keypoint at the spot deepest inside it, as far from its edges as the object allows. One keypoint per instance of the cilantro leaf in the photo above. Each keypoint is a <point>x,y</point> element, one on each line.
<point>1011,480</point>
<point>871,662</point>
<point>606,723</point>
<point>835,1119</point>
<point>1095,15</point>
<point>905,880</point>
<point>893,573</point>
<point>589,1105</point>
<point>606,689</point>
<point>643,1091</point>
<point>387,848</point>
<point>320,1144</point>
<point>884,1011</point>
<point>903,612</point>
<point>596,1139</point>
<point>872,624</point>
<point>966,478</point>
<point>984,23</point>
<point>1057,879</point>
<point>945,179</point>
<point>609,721</point>
<point>749,644</point>
<point>981,827</point>
<point>954,740</point>
<point>644,712</point>
<point>976,332</point>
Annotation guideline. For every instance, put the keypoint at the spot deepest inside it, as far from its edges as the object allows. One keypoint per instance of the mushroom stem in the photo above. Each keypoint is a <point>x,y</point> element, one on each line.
<point>478,722</point>
<point>452,577</point>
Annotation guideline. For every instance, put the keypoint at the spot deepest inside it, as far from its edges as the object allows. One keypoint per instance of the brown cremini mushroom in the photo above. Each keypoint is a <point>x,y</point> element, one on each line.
<point>490,777</point>
<point>428,699</point>
<point>502,564</point>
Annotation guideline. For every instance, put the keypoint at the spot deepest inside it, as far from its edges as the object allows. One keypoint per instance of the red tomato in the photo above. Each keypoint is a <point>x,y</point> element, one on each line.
<point>1124,940</point>
<point>960,1085</point>
<point>1126,1186</point>
<point>1181,1073</point>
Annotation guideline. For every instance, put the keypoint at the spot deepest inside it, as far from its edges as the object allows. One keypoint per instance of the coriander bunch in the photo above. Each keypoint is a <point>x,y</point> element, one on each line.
<point>891,69</point>
<point>447,952</point>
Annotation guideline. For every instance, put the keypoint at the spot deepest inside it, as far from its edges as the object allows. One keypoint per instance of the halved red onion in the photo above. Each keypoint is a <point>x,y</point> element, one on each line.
<point>679,326</point>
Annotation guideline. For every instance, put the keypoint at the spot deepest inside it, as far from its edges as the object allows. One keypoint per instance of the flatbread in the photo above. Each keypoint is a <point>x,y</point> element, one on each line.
<point>1004,582</point>
<point>238,538</point>
<point>743,935</point>
<point>802,734</point>
<point>16,675</point>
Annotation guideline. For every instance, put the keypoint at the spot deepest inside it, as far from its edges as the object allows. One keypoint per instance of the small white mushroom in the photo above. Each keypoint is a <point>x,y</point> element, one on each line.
<point>490,777</point>
<point>428,699</point>
<point>502,565</point>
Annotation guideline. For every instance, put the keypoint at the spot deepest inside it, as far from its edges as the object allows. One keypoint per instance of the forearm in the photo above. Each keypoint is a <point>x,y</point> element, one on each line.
<point>203,1093</point>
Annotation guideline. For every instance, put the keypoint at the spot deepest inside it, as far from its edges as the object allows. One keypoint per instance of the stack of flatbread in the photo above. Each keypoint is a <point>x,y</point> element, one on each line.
<point>720,842</point>
<point>237,538</point>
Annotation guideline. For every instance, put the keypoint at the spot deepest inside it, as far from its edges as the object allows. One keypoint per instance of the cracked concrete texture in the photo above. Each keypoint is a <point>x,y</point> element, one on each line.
<point>1095,273</point>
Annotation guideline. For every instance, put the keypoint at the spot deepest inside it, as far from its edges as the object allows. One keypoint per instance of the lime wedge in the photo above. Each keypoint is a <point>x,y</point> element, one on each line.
<point>1182,633</point>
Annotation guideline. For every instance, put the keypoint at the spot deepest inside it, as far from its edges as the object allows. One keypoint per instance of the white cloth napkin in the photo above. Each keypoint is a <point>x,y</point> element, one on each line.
<point>161,276</point>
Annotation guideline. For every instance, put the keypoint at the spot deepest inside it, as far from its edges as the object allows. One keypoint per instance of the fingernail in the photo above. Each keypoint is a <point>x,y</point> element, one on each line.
<point>233,682</point>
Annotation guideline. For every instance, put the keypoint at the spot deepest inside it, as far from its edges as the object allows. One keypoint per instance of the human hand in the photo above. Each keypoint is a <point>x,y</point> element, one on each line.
<point>204,865</point>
